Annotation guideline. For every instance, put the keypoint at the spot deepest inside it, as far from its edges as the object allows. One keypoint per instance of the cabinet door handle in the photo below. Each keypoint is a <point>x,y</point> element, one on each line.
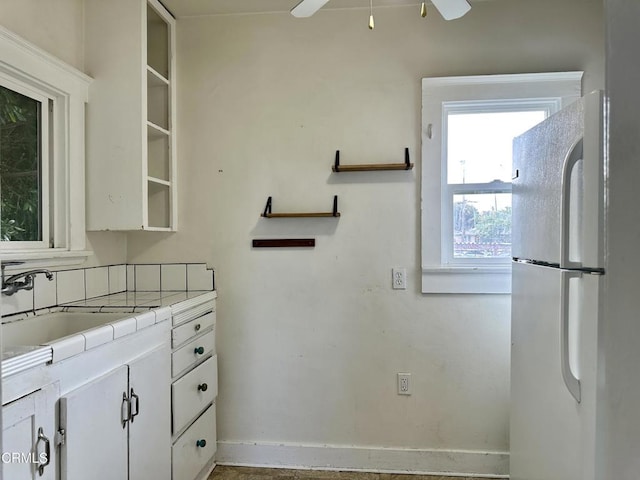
<point>125,410</point>
<point>203,387</point>
<point>198,350</point>
<point>47,451</point>
<point>201,443</point>
<point>137,404</point>
<point>197,327</point>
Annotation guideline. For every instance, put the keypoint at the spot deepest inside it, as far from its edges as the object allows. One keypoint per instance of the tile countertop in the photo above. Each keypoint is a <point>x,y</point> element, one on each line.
<point>139,301</point>
<point>20,358</point>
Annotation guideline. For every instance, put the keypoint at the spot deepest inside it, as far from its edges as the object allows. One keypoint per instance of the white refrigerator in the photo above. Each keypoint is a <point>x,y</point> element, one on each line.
<point>558,269</point>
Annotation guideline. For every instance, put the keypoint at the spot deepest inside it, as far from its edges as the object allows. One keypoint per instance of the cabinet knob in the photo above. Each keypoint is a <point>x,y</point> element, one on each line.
<point>197,327</point>
<point>201,443</point>
<point>199,350</point>
<point>203,387</point>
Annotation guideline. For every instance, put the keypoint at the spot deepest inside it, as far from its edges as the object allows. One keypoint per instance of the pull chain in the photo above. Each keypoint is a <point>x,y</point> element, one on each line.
<point>423,10</point>
<point>371,22</point>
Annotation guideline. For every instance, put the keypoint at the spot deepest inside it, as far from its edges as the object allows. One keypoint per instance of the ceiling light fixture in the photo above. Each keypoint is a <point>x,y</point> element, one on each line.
<point>372,24</point>
<point>449,9</point>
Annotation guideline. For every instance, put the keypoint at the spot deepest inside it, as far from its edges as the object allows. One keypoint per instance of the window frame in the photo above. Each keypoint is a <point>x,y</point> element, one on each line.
<point>31,68</point>
<point>441,95</point>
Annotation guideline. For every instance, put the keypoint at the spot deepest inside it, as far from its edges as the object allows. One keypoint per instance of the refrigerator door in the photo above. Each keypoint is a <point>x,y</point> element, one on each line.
<point>558,188</point>
<point>552,435</point>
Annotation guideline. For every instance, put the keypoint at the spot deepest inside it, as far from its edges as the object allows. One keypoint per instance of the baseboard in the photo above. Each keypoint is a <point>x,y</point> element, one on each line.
<point>387,460</point>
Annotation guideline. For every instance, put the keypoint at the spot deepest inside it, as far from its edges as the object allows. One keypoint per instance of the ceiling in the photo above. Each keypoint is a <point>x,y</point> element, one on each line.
<point>188,8</point>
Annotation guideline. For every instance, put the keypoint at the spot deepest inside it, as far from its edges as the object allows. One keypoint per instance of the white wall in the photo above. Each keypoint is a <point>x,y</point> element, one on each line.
<point>56,26</point>
<point>619,425</point>
<point>310,340</point>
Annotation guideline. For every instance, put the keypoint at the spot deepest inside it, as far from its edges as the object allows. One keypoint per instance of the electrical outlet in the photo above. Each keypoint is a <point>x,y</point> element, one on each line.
<point>399,278</point>
<point>404,384</point>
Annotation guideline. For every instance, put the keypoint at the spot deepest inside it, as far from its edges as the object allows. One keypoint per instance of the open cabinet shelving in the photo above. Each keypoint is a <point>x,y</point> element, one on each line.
<point>131,143</point>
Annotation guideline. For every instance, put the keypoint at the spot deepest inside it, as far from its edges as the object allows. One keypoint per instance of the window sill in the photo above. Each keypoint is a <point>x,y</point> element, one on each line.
<point>45,258</point>
<point>469,279</point>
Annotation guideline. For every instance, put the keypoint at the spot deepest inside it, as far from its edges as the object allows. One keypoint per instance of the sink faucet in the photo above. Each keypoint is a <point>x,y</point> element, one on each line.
<point>20,281</point>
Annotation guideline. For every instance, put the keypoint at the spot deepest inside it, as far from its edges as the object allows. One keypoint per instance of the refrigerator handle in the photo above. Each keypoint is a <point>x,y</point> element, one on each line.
<point>575,154</point>
<point>570,380</point>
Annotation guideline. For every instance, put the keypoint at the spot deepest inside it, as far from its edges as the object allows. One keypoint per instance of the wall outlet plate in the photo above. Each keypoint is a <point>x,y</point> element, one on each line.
<point>404,384</point>
<point>399,278</point>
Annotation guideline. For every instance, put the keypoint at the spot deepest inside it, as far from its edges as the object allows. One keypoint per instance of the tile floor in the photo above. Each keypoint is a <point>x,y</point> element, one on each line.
<point>246,473</point>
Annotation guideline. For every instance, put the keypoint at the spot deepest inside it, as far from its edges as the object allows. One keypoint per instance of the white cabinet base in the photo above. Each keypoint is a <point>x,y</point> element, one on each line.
<point>96,442</point>
<point>28,423</point>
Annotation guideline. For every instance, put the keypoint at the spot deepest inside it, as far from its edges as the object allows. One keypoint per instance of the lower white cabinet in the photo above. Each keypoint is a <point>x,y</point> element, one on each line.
<point>118,426</point>
<point>28,435</point>
<point>194,391</point>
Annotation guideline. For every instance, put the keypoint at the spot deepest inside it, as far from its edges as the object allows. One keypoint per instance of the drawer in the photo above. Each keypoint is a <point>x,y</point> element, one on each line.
<point>189,394</point>
<point>189,457</point>
<point>193,312</point>
<point>181,334</point>
<point>191,353</point>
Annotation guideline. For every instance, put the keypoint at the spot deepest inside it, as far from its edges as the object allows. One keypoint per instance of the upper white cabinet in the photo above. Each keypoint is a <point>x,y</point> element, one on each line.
<point>131,148</point>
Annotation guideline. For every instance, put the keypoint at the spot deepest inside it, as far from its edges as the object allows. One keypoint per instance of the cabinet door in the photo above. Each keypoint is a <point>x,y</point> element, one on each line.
<point>27,436</point>
<point>96,440</point>
<point>150,426</point>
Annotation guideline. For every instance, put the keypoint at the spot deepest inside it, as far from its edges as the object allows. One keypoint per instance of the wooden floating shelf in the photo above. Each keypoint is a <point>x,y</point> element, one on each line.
<point>269,214</point>
<point>372,167</point>
<point>284,242</point>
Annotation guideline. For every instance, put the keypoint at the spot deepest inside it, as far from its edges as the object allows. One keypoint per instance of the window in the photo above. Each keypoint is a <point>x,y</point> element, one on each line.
<point>42,102</point>
<point>468,127</point>
<point>24,167</point>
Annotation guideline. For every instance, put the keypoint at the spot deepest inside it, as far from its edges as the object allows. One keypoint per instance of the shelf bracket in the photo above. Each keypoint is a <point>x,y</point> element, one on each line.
<point>336,165</point>
<point>267,207</point>
<point>407,162</point>
<point>335,206</point>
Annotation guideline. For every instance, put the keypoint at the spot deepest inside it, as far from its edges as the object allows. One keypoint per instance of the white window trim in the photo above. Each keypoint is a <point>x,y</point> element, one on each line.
<point>32,67</point>
<point>561,89</point>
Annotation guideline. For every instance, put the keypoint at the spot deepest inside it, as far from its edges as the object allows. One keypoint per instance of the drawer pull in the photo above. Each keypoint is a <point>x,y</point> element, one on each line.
<point>203,387</point>
<point>201,443</point>
<point>197,327</point>
<point>198,350</point>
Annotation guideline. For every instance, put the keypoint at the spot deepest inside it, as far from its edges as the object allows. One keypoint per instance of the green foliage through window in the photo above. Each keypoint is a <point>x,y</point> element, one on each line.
<point>20,174</point>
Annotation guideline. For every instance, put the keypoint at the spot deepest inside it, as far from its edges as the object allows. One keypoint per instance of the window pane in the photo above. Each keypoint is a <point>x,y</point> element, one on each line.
<point>479,144</point>
<point>19,167</point>
<point>482,225</point>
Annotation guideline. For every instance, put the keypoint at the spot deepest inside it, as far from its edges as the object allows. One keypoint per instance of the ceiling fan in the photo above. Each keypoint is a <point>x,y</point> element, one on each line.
<point>449,9</point>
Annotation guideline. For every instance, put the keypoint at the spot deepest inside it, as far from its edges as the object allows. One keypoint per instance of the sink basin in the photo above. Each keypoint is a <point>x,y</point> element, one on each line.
<point>43,329</point>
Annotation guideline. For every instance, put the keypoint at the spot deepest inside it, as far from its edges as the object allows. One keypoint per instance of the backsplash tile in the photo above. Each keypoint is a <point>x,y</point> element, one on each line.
<point>70,285</point>
<point>199,277</point>
<point>173,277</point>
<point>44,291</point>
<point>97,281</point>
<point>20,301</point>
<point>147,278</point>
<point>131,277</point>
<point>117,278</point>
<point>124,279</point>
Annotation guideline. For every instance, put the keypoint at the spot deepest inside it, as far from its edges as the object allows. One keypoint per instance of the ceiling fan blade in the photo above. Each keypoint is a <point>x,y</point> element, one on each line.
<point>306,8</point>
<point>451,9</point>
